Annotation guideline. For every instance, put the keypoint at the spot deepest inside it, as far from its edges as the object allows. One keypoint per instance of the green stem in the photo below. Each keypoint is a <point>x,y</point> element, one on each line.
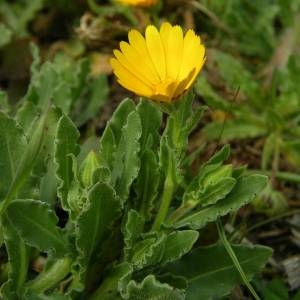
<point>110,283</point>
<point>179,213</point>
<point>275,163</point>
<point>51,277</point>
<point>234,259</point>
<point>175,147</point>
<point>165,201</point>
<point>270,220</point>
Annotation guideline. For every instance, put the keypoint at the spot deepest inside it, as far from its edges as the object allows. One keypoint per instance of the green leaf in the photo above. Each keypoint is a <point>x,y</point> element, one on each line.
<point>151,120</point>
<point>78,73</point>
<point>151,288</point>
<point>220,156</point>
<point>97,98</point>
<point>42,86</point>
<point>63,82</point>
<point>114,283</point>
<point>177,244</point>
<point>101,174</point>
<point>206,267</point>
<point>32,216</point>
<point>62,96</point>
<point>26,161</point>
<point>217,191</point>
<point>108,146</point>
<point>45,167</point>
<point>12,145</point>
<point>113,132</point>
<point>186,118</point>
<point>245,190</point>
<point>48,185</point>
<point>234,129</point>
<point>212,183</point>
<point>77,194</point>
<point>26,115</point>
<point>147,183</point>
<point>18,15</point>
<point>127,162</point>
<point>132,230</point>
<point>4,106</point>
<point>94,221</point>
<point>6,35</point>
<point>148,251</point>
<point>65,144</point>
<point>276,290</point>
<point>18,257</point>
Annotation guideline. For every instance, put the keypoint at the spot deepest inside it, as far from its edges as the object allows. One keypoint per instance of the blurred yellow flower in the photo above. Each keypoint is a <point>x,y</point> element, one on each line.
<point>138,2</point>
<point>162,65</point>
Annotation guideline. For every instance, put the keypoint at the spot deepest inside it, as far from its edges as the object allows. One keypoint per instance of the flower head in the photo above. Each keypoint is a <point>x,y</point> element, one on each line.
<point>138,2</point>
<point>162,65</point>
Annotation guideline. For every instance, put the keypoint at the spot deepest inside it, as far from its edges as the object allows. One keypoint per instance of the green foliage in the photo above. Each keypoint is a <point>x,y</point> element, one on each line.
<point>18,253</point>
<point>245,190</point>
<point>63,82</point>
<point>28,216</point>
<point>237,20</point>
<point>94,222</point>
<point>114,240</point>
<point>151,288</point>
<point>178,243</point>
<point>66,145</point>
<point>205,267</point>
<point>12,144</point>
<point>19,14</point>
<point>6,35</point>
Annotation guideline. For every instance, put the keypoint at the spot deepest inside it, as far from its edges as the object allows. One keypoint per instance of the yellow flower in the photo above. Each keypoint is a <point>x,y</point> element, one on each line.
<point>138,2</point>
<point>163,65</point>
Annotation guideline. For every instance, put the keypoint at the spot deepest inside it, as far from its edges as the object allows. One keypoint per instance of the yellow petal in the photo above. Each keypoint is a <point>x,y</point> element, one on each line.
<point>193,54</point>
<point>128,80</point>
<point>138,71</point>
<point>138,44</point>
<point>182,86</point>
<point>156,50</point>
<point>164,30</point>
<point>193,78</point>
<point>174,52</point>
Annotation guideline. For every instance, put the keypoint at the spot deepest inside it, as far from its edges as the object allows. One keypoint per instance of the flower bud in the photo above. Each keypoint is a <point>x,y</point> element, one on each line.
<point>87,168</point>
<point>216,175</point>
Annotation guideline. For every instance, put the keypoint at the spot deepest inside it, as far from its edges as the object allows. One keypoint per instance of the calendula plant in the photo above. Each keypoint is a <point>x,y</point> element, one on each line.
<point>121,218</point>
